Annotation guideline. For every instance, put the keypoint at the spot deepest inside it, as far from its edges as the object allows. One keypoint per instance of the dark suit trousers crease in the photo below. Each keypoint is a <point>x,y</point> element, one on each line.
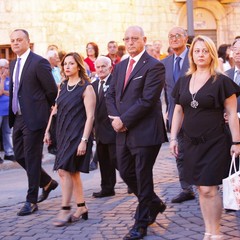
<point>107,161</point>
<point>28,146</point>
<point>135,167</point>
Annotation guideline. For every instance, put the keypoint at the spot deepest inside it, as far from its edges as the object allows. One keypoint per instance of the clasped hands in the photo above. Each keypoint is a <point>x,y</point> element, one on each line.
<point>117,124</point>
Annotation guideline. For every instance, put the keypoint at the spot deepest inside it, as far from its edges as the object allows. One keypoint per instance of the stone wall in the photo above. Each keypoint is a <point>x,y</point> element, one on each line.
<point>70,24</point>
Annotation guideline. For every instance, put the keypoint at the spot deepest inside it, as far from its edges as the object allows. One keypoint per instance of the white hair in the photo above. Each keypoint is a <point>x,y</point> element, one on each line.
<point>105,59</point>
<point>51,54</point>
<point>3,62</point>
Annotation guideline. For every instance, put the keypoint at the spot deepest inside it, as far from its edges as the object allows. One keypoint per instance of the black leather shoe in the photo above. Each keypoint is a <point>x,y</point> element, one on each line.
<point>103,194</point>
<point>9,157</point>
<point>27,209</point>
<point>93,166</point>
<point>183,196</point>
<point>45,193</point>
<point>129,190</point>
<point>1,160</point>
<point>155,210</point>
<point>229,210</point>
<point>136,233</point>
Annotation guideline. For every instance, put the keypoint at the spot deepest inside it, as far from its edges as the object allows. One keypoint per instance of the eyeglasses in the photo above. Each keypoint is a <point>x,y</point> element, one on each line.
<point>176,36</point>
<point>198,51</point>
<point>133,39</point>
<point>89,48</point>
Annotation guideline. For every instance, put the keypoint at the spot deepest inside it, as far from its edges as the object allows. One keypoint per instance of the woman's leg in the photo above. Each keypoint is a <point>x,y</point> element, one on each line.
<point>67,186</point>
<point>78,195</point>
<point>211,207</point>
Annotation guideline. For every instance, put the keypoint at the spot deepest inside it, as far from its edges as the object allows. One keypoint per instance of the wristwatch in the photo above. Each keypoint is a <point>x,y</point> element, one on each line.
<point>84,139</point>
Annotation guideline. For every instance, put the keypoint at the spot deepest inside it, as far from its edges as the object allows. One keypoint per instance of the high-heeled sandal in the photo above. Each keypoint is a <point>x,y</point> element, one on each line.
<point>207,236</point>
<point>84,215</point>
<point>216,237</point>
<point>59,221</point>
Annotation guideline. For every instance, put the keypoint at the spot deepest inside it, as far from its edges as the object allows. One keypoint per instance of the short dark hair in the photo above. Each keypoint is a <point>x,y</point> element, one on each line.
<point>236,40</point>
<point>22,30</point>
<point>112,42</point>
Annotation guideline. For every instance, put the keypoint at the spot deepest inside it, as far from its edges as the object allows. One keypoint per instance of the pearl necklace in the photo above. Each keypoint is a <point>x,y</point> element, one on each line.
<point>74,86</point>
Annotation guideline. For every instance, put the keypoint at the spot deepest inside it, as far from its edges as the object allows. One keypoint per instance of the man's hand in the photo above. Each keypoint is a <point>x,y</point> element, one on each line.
<point>117,124</point>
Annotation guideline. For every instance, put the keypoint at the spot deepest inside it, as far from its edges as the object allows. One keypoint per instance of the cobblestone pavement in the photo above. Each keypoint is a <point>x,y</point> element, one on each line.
<point>109,218</point>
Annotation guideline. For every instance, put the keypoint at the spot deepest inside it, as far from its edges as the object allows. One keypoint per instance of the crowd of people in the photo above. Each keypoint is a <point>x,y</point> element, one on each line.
<point>68,101</point>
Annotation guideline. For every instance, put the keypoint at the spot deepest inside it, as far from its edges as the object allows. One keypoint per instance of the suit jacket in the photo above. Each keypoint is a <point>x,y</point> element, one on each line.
<point>104,131</point>
<point>170,83</point>
<point>230,73</point>
<point>37,92</point>
<point>139,105</point>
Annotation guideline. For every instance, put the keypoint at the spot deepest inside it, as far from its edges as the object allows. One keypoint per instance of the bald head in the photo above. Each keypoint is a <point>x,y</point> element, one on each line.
<point>135,40</point>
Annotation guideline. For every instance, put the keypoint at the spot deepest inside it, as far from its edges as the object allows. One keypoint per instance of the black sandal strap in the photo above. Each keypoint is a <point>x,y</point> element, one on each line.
<point>66,208</point>
<point>81,204</point>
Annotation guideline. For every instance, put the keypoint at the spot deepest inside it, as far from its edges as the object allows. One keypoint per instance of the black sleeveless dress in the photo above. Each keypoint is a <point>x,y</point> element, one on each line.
<point>206,141</point>
<point>70,122</point>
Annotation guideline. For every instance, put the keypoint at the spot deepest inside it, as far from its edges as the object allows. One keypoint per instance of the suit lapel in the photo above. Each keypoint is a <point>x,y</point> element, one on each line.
<point>142,61</point>
<point>170,72</point>
<point>100,101</point>
<point>95,86</point>
<point>25,67</point>
<point>123,72</point>
<point>232,71</point>
<point>185,65</point>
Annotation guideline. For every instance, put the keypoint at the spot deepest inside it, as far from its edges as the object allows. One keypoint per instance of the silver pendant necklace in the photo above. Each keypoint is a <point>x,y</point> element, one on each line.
<point>73,87</point>
<point>194,103</point>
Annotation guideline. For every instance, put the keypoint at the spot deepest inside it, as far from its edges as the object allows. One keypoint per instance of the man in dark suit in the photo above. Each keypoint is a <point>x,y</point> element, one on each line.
<point>104,133</point>
<point>234,73</point>
<point>32,93</point>
<point>133,104</point>
<point>177,41</point>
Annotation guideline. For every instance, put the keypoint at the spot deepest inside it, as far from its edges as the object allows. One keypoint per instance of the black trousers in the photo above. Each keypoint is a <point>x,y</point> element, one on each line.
<point>108,164</point>
<point>135,167</point>
<point>28,146</point>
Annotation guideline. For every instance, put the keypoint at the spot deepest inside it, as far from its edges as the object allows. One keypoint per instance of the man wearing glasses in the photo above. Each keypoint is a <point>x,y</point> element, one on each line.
<point>134,106</point>
<point>176,66</point>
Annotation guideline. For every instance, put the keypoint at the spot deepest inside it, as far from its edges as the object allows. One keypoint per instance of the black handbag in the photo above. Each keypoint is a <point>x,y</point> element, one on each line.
<point>52,131</point>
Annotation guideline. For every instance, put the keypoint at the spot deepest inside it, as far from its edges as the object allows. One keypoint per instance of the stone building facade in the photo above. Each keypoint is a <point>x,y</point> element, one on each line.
<point>70,24</point>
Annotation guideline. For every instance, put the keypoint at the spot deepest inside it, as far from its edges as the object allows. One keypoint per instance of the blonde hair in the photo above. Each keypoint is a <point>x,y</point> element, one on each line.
<point>214,66</point>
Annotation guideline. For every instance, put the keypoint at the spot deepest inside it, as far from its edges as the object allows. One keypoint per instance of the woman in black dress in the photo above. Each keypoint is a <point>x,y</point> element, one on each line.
<point>75,108</point>
<point>201,98</point>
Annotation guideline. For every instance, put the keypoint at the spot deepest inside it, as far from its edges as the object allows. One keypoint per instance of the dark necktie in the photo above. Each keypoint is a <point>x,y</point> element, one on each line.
<point>176,72</point>
<point>129,70</point>
<point>100,92</point>
<point>16,87</point>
